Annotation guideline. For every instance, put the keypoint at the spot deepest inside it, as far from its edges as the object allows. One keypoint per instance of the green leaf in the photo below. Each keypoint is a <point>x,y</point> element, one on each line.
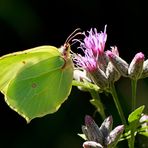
<point>37,81</point>
<point>82,136</point>
<point>86,85</point>
<point>136,114</point>
<point>97,104</point>
<point>143,130</point>
<point>144,133</point>
<point>134,123</point>
<point>125,136</point>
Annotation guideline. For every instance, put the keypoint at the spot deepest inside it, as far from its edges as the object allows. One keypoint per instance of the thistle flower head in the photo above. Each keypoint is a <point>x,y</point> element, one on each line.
<point>87,62</point>
<point>95,41</point>
<point>94,60</point>
<point>93,48</point>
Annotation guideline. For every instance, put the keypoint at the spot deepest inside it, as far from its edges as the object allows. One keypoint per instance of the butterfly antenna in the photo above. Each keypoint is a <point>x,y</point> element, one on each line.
<point>73,35</point>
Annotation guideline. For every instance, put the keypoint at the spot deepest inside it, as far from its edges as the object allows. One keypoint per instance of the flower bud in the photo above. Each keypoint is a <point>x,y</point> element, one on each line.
<point>92,144</point>
<point>119,64</point>
<point>106,126</point>
<point>144,118</point>
<point>94,134</point>
<point>86,133</point>
<point>80,75</point>
<point>145,69</point>
<point>136,66</point>
<point>111,73</point>
<point>99,78</point>
<point>102,137</point>
<point>114,50</point>
<point>103,61</point>
<point>114,135</point>
<point>144,121</point>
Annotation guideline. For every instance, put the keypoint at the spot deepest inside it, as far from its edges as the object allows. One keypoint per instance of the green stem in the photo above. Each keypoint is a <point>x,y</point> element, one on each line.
<point>131,141</point>
<point>96,101</point>
<point>134,90</point>
<point>117,103</point>
<point>94,91</point>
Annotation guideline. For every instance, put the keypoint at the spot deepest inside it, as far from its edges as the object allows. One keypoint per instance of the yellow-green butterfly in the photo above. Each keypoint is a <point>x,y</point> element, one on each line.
<point>35,82</point>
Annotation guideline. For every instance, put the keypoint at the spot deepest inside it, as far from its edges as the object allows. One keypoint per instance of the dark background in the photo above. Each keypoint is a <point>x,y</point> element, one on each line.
<point>25,24</point>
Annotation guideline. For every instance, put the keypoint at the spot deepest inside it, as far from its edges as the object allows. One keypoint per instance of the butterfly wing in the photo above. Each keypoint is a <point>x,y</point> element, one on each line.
<point>39,88</point>
<point>10,64</point>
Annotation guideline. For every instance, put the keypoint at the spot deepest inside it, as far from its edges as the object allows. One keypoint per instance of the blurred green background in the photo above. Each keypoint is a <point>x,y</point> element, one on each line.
<point>25,24</point>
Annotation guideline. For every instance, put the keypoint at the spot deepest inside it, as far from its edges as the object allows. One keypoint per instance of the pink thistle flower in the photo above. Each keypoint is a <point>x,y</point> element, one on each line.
<point>90,64</point>
<point>87,62</point>
<point>93,60</point>
<point>95,41</point>
<point>93,48</point>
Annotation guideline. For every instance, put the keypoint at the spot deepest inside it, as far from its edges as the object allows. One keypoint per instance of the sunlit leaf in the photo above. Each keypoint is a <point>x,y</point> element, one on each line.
<point>136,114</point>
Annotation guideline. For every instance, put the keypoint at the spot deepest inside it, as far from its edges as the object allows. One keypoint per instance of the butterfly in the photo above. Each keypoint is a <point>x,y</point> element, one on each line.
<point>35,82</point>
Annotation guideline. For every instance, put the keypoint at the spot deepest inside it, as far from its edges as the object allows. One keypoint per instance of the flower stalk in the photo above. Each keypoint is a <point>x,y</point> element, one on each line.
<point>96,101</point>
<point>134,92</point>
<point>117,103</point>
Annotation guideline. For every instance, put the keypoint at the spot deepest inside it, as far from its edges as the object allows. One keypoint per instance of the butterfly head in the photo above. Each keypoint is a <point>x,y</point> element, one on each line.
<point>65,49</point>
